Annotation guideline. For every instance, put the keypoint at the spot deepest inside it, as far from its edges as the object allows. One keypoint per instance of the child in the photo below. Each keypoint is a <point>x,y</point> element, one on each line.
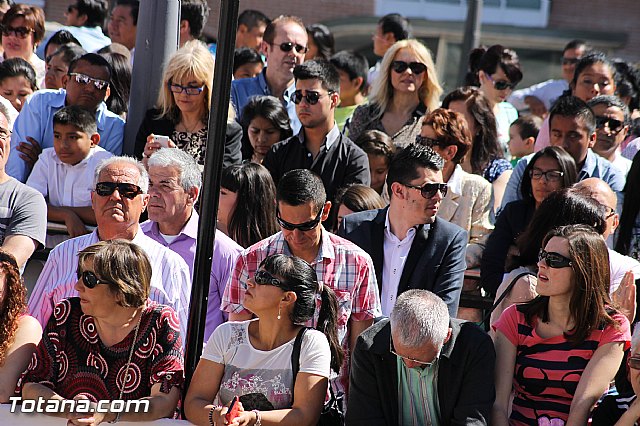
<point>379,149</point>
<point>522,137</point>
<point>247,63</point>
<point>17,81</point>
<point>64,173</point>
<point>353,69</point>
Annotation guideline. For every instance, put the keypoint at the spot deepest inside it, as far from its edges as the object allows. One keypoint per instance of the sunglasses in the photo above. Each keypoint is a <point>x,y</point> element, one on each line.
<point>634,362</point>
<point>502,84</point>
<point>615,126</point>
<point>288,46</point>
<point>402,66</point>
<point>306,226</point>
<point>85,79</point>
<point>190,90</point>
<point>127,190</point>
<point>90,279</point>
<point>429,190</point>
<point>554,260</point>
<point>570,61</point>
<point>427,141</point>
<point>262,277</point>
<point>311,97</point>
<point>549,175</point>
<point>416,361</point>
<point>20,32</point>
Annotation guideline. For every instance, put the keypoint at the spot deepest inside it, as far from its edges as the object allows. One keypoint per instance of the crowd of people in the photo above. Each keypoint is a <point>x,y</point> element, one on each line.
<point>356,204</point>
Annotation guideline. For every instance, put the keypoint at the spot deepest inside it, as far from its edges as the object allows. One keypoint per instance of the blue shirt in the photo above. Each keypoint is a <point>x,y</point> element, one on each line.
<point>91,39</point>
<point>36,120</point>
<point>242,90</point>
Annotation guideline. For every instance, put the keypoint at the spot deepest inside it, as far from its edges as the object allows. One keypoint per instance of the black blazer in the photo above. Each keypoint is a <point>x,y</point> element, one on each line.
<point>466,389</point>
<point>436,260</point>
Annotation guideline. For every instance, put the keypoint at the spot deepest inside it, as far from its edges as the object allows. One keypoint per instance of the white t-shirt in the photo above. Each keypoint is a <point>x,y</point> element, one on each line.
<point>248,370</point>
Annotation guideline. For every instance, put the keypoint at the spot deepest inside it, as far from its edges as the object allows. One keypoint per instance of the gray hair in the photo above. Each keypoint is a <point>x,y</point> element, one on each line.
<point>4,110</point>
<point>635,338</point>
<point>187,166</point>
<point>612,101</point>
<point>418,317</point>
<point>143,180</point>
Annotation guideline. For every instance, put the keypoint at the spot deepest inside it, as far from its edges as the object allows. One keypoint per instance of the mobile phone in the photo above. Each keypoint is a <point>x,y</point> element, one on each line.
<point>234,408</point>
<point>162,140</point>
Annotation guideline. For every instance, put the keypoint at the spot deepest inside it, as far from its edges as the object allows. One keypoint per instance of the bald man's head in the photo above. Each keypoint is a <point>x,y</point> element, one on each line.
<point>600,191</point>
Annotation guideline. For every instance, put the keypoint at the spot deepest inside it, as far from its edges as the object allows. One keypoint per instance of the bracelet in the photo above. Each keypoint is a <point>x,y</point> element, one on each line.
<point>211,416</point>
<point>258,418</point>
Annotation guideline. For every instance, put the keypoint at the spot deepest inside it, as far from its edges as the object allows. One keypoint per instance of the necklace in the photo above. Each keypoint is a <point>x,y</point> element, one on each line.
<point>193,128</point>
<point>133,346</point>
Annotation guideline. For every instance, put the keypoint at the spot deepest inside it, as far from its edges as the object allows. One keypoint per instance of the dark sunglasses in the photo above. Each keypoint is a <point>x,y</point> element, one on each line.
<point>634,362</point>
<point>306,226</point>
<point>426,141</point>
<point>429,190</point>
<point>288,46</point>
<point>127,190</point>
<point>570,61</point>
<point>402,66</point>
<point>502,84</point>
<point>311,97</point>
<point>615,126</point>
<point>90,279</point>
<point>20,32</point>
<point>262,277</point>
<point>554,260</point>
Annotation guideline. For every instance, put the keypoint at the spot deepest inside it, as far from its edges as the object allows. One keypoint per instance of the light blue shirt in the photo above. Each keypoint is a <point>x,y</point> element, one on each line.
<point>244,89</point>
<point>36,121</point>
<point>90,38</point>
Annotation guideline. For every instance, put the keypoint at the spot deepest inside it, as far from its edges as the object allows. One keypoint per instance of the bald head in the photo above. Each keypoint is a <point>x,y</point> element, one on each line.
<point>598,190</point>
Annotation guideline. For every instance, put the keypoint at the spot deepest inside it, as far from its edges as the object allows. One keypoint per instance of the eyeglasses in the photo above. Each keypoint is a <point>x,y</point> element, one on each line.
<point>416,361</point>
<point>288,46</point>
<point>190,90</point>
<point>429,190</point>
<point>415,67</point>
<point>612,212</point>
<point>85,79</point>
<point>502,84</point>
<point>554,260</point>
<point>427,141</point>
<point>570,61</point>
<point>549,175</point>
<point>306,226</point>
<point>263,277</point>
<point>127,190</point>
<point>615,126</point>
<point>20,32</point>
<point>634,362</point>
<point>311,97</point>
<point>90,279</point>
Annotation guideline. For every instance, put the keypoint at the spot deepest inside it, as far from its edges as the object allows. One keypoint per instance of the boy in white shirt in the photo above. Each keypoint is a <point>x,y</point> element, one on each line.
<point>64,174</point>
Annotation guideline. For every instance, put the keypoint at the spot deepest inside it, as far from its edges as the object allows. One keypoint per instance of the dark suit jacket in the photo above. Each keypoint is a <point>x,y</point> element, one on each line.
<point>435,261</point>
<point>466,389</point>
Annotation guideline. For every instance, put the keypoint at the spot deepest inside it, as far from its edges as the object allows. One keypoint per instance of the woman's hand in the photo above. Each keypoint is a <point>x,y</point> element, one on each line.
<point>625,296</point>
<point>220,419</point>
<point>150,147</point>
<point>93,418</point>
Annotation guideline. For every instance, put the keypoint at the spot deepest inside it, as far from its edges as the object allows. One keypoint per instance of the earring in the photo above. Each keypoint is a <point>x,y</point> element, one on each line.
<point>279,306</point>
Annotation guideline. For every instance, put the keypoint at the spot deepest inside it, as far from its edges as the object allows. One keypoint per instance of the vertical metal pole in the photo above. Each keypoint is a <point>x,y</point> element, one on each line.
<point>210,193</point>
<point>156,40</point>
<point>471,37</point>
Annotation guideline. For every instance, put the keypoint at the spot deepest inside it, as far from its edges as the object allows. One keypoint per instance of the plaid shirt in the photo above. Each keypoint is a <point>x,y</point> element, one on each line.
<point>340,264</point>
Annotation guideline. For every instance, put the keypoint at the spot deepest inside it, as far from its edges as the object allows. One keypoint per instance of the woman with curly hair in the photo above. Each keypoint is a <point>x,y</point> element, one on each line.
<point>19,333</point>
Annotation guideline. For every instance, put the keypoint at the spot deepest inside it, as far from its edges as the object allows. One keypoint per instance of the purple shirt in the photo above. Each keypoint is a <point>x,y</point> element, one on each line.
<point>225,253</point>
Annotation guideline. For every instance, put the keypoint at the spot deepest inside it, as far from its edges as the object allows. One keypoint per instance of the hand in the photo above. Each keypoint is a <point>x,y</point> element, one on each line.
<point>245,418</point>
<point>75,226</point>
<point>29,151</point>
<point>625,296</point>
<point>536,106</point>
<point>150,147</point>
<point>92,418</point>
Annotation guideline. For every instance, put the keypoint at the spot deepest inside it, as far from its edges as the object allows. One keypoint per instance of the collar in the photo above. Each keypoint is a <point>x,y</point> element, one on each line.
<point>425,226</point>
<point>590,164</point>
<point>387,229</point>
<point>325,251</point>
<point>455,181</point>
<point>331,137</point>
<point>264,86</point>
<point>190,229</point>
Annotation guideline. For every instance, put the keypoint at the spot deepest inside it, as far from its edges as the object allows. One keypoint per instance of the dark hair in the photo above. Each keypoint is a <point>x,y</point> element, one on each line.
<point>356,198</point>
<point>396,24</point>
<point>375,142</point>
<point>611,101</point>
<point>61,38</point>
<point>450,128</point>
<point>404,164</point>
<point>33,18</point>
<point>254,216</point>
<point>576,44</point>
<point>528,126</point>
<point>301,186</point>
<point>565,161</point>
<point>95,11</point>
<point>78,117</point>
<point>354,64</point>
<point>319,69</point>
<point>590,304</point>
<point>252,18</point>
<point>630,208</point>
<point>14,304</point>
<point>588,60</point>
<point>17,67</point>
<point>196,13</point>
<point>245,55</point>
<point>120,83</point>
<point>628,83</point>
<point>135,8</point>
<point>69,53</point>
<point>300,278</point>
<point>571,106</point>
<point>486,146</point>
<point>271,109</point>
<point>270,32</point>
<point>92,59</point>
<point>488,60</point>
<point>323,39</point>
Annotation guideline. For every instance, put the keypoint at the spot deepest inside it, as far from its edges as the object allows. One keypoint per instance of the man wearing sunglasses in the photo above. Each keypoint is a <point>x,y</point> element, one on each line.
<point>422,367</point>
<point>86,85</point>
<point>612,125</point>
<point>340,264</point>
<point>118,199</point>
<point>284,45</point>
<point>410,246</point>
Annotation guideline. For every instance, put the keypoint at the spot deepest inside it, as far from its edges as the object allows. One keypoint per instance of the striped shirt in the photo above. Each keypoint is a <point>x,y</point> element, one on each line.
<point>170,278</point>
<point>418,395</point>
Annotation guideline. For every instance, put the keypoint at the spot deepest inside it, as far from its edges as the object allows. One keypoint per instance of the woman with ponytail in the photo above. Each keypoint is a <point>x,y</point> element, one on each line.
<point>253,359</point>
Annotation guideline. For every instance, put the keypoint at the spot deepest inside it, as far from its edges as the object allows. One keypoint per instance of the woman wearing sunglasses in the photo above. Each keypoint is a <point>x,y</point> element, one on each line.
<point>253,359</point>
<point>559,352</point>
<point>22,31</point>
<point>182,110</point>
<point>109,343</point>
<point>407,87</point>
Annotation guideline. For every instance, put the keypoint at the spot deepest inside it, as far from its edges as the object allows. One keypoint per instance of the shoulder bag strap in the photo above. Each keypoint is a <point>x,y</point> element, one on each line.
<point>295,358</point>
<point>505,293</point>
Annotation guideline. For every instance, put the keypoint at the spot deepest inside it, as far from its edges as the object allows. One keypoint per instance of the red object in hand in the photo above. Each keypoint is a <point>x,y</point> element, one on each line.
<point>234,410</point>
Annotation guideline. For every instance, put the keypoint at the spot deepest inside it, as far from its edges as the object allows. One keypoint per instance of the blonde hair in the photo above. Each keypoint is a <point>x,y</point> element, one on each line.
<point>382,90</point>
<point>191,60</point>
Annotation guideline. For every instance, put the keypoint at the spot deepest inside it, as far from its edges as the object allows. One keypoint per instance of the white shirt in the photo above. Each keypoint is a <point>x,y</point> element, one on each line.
<point>170,278</point>
<point>619,264</point>
<point>66,185</point>
<point>395,256</point>
<point>621,163</point>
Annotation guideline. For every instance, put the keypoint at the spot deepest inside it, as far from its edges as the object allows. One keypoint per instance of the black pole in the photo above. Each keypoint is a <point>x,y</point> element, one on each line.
<point>471,37</point>
<point>210,194</point>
